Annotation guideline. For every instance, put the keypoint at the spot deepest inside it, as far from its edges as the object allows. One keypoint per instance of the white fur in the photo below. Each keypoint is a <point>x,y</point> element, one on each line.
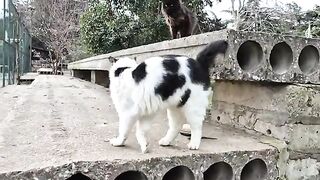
<point>137,103</point>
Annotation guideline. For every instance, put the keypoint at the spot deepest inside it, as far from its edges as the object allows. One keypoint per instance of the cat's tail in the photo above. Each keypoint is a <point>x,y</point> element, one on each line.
<point>207,55</point>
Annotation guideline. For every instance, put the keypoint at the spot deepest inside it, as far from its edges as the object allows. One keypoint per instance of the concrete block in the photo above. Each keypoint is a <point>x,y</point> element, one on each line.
<point>82,74</point>
<point>100,77</point>
<point>276,103</point>
<point>268,57</point>
<point>229,166</point>
<point>286,112</point>
<point>93,77</point>
<point>269,129</point>
<point>189,46</point>
<point>303,169</point>
<point>305,138</point>
<point>301,138</point>
<point>251,56</point>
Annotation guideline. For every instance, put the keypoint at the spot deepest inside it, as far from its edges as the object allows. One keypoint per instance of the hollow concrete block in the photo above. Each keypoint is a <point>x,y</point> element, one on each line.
<point>268,57</point>
<point>230,166</point>
<point>251,56</point>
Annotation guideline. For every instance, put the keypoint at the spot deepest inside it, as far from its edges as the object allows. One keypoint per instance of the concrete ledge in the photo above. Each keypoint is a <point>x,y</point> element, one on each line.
<point>246,165</point>
<point>268,57</point>
<point>251,56</point>
<point>185,46</point>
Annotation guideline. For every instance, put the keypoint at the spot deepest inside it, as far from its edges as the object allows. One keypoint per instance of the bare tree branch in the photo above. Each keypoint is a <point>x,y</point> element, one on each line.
<point>55,23</point>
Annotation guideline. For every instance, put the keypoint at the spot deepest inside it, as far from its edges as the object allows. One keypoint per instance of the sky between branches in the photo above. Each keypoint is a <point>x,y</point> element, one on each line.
<point>219,7</point>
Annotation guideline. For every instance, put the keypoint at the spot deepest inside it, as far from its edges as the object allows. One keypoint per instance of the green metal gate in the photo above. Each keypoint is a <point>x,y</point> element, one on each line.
<point>15,44</point>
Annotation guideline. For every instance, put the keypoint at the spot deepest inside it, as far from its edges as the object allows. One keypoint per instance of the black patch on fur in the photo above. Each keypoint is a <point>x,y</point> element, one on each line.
<point>119,71</point>
<point>169,85</point>
<point>139,73</point>
<point>171,65</point>
<point>197,74</point>
<point>184,98</point>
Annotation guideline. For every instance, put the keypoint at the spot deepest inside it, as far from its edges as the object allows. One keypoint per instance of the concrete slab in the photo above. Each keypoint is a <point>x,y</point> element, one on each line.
<point>288,112</point>
<point>29,76</point>
<point>274,103</point>
<point>251,56</point>
<point>59,126</point>
<point>189,46</point>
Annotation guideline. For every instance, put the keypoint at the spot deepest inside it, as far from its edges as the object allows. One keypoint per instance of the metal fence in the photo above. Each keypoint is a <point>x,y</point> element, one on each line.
<point>15,44</point>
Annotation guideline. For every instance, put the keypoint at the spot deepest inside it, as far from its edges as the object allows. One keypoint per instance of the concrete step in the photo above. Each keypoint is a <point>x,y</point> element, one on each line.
<point>58,127</point>
<point>233,155</point>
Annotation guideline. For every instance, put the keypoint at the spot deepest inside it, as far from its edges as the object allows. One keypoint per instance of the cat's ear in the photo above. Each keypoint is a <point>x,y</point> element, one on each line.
<point>112,59</point>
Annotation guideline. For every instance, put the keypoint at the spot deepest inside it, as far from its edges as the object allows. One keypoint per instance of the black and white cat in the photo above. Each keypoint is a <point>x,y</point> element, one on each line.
<point>179,84</point>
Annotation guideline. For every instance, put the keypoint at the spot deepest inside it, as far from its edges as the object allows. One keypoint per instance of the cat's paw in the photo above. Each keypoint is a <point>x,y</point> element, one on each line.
<point>116,142</point>
<point>144,149</point>
<point>164,142</point>
<point>193,146</point>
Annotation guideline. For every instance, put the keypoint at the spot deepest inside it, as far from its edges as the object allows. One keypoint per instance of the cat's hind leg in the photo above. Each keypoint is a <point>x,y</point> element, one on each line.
<point>195,116</point>
<point>176,120</point>
<point>126,122</point>
<point>143,125</point>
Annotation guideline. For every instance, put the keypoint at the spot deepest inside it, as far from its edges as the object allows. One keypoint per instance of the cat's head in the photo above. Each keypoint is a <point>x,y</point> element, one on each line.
<point>121,63</point>
<point>171,6</point>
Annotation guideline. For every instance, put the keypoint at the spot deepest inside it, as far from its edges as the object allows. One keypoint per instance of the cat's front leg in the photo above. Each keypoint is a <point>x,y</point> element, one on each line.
<point>126,123</point>
<point>195,116</point>
<point>174,32</point>
<point>186,31</point>
<point>117,142</point>
<point>196,134</point>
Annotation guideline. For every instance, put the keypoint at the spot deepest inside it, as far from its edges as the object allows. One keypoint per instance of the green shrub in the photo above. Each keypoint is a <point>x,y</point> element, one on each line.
<point>105,30</point>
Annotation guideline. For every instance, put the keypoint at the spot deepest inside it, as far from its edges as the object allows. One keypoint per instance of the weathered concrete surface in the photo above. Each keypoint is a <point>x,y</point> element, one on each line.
<point>287,112</point>
<point>305,168</point>
<point>261,68</point>
<point>58,126</point>
<point>189,46</point>
<point>265,57</point>
<point>29,76</point>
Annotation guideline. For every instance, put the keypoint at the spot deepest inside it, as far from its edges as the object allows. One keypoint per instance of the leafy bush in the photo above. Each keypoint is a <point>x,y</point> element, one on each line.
<point>119,24</point>
<point>105,31</point>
